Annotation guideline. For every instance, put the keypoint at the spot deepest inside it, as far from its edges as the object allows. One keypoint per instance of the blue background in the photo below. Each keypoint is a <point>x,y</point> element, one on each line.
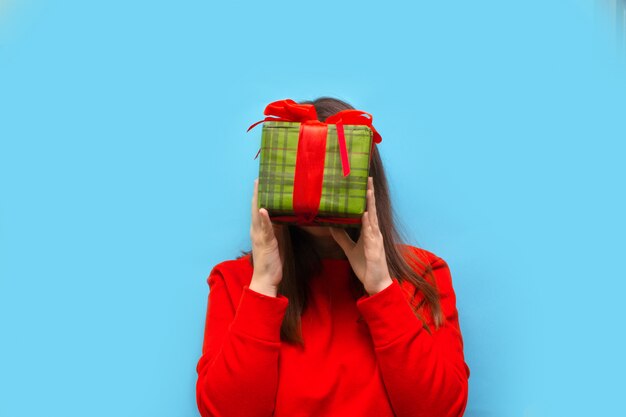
<point>126,173</point>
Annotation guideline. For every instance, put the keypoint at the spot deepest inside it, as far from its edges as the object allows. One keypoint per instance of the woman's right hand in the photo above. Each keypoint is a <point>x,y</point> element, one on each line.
<point>266,255</point>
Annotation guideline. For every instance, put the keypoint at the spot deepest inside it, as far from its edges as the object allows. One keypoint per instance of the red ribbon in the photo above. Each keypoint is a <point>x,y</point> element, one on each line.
<point>311,154</point>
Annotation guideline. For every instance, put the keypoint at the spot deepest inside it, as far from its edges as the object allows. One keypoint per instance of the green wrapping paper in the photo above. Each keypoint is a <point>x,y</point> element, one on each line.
<point>343,197</point>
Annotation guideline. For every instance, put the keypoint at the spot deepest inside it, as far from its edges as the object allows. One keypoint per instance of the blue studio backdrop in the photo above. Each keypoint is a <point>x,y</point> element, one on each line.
<point>126,173</point>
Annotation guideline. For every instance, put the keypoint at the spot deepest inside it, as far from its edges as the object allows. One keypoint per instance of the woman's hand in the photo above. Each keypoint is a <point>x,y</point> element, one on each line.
<point>367,256</point>
<point>266,255</point>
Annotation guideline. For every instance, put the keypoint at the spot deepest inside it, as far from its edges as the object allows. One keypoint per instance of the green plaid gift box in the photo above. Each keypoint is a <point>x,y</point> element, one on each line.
<point>343,197</point>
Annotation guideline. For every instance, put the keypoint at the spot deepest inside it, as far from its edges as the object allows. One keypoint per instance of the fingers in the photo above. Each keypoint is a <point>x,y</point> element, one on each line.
<point>342,237</point>
<point>366,227</point>
<point>262,225</point>
<point>372,216</point>
<point>265,229</point>
<point>255,210</point>
<point>260,216</point>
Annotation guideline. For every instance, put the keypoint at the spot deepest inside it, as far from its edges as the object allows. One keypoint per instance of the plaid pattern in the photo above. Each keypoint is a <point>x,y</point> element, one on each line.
<point>341,196</point>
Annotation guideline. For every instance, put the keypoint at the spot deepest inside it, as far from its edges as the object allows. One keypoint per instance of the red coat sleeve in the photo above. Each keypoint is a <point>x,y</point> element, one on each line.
<point>238,369</point>
<point>424,374</point>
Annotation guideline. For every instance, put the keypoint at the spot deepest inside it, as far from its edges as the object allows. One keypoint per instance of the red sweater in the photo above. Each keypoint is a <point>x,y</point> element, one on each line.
<point>387,365</point>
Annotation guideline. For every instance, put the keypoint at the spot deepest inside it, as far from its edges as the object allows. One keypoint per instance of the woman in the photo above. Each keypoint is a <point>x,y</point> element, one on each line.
<point>325,321</point>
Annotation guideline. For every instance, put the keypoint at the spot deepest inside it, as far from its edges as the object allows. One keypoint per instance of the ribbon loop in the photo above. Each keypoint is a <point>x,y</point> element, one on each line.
<point>355,117</point>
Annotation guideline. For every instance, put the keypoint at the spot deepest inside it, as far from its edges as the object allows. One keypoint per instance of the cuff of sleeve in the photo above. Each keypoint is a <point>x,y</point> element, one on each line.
<point>388,314</point>
<point>259,315</point>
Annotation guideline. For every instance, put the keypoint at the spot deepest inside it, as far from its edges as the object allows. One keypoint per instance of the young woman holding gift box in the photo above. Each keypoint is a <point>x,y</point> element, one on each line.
<point>324,321</point>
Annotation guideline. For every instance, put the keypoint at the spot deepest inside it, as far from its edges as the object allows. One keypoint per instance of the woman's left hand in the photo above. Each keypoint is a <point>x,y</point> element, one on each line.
<point>367,256</point>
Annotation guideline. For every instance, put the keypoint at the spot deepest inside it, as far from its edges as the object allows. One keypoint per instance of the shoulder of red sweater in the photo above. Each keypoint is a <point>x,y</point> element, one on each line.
<point>439,266</point>
<point>429,257</point>
<point>236,271</point>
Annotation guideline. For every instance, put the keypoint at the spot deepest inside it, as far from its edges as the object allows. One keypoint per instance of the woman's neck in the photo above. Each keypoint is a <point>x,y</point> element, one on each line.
<point>325,245</point>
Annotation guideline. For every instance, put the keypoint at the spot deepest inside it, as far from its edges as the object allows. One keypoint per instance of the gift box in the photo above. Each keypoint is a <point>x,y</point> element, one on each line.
<point>314,173</point>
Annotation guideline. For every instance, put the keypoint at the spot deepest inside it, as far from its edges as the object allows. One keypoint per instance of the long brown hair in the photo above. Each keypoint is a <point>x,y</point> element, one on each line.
<point>301,259</point>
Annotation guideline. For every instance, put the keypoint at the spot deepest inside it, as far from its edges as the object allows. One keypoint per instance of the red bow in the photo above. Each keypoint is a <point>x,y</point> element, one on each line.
<point>289,111</point>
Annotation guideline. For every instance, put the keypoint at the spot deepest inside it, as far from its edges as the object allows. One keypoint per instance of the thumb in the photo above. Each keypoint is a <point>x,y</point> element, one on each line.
<point>342,238</point>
